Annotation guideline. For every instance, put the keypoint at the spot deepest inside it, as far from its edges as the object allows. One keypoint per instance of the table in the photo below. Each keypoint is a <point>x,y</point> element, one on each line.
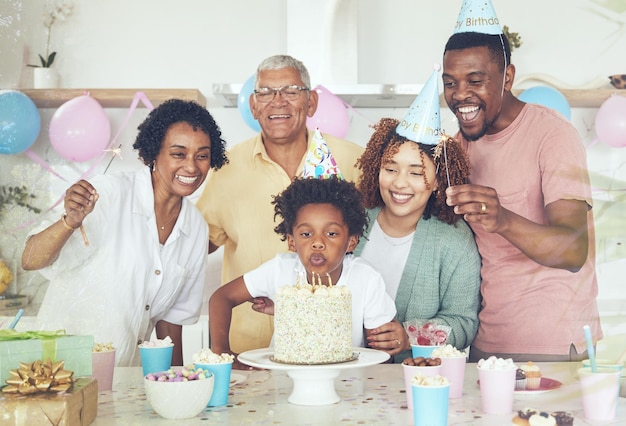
<point>372,395</point>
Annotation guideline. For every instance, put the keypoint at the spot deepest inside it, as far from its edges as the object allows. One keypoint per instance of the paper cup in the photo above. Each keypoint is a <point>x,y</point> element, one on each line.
<point>453,368</point>
<point>102,367</point>
<point>497,388</point>
<point>155,358</point>
<point>409,372</point>
<point>221,373</point>
<point>599,392</point>
<point>420,350</point>
<point>430,405</point>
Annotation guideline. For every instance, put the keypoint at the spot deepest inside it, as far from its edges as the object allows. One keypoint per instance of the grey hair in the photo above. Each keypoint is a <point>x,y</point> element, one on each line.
<point>279,62</point>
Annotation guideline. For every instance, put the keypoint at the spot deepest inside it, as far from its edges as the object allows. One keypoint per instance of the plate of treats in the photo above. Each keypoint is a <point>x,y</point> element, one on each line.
<point>532,416</point>
<point>546,385</point>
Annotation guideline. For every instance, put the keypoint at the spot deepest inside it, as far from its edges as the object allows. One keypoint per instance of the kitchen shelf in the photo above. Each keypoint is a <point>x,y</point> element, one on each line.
<point>402,95</point>
<point>110,98</point>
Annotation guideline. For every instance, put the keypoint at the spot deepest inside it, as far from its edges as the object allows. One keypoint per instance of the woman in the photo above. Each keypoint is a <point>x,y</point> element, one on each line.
<point>426,255</point>
<point>138,262</point>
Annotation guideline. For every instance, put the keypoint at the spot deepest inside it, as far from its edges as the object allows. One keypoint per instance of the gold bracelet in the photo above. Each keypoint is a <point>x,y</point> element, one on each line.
<point>69,228</point>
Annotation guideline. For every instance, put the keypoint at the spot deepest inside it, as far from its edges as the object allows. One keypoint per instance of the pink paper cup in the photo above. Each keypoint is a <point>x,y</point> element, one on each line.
<point>599,392</point>
<point>497,388</point>
<point>409,372</point>
<point>453,368</point>
<point>102,367</point>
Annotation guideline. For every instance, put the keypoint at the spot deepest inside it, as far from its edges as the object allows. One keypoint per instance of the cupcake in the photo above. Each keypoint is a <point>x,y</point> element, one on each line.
<point>563,418</point>
<point>523,415</point>
<point>541,419</point>
<point>533,375</point>
<point>520,379</point>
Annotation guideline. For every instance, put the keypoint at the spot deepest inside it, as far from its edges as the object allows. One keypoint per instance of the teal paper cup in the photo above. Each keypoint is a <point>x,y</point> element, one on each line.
<point>155,358</point>
<point>221,385</point>
<point>421,350</point>
<point>430,405</point>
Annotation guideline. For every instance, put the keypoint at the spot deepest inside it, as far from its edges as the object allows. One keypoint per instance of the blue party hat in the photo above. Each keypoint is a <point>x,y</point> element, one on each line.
<point>422,122</point>
<point>477,16</point>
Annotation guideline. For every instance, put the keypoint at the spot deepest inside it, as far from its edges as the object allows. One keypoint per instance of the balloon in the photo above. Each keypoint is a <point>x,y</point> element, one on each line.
<point>79,129</point>
<point>611,121</point>
<point>331,115</point>
<point>19,122</point>
<point>244,105</point>
<point>549,97</point>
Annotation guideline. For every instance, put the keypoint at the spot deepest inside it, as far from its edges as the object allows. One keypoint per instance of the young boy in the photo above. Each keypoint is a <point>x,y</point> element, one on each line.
<point>322,220</point>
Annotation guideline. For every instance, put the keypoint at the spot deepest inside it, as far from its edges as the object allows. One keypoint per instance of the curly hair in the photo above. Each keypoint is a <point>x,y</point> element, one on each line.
<point>153,129</point>
<point>302,191</point>
<point>385,143</point>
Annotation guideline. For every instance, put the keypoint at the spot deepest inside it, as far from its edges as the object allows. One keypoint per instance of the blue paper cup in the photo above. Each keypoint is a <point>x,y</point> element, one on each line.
<point>221,385</point>
<point>155,358</point>
<point>430,405</point>
<point>424,351</point>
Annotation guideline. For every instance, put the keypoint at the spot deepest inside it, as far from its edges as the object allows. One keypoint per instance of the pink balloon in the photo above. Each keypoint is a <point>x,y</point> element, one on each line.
<point>611,121</point>
<point>79,129</point>
<point>331,115</point>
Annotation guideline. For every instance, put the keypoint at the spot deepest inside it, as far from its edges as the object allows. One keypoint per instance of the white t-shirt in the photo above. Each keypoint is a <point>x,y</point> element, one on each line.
<point>388,255</point>
<point>371,305</point>
<point>119,286</point>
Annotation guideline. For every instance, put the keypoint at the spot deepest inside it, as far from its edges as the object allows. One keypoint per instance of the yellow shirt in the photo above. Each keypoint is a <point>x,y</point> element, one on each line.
<point>237,205</point>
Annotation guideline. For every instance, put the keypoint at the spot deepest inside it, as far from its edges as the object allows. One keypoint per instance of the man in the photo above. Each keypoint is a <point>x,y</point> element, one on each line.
<point>529,205</point>
<point>236,202</point>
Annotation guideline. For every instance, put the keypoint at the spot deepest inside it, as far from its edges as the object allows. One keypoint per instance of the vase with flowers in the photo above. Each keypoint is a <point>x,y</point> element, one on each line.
<point>44,76</point>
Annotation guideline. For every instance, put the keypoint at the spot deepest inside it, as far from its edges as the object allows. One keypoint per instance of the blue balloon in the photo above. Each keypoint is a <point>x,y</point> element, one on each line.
<point>244,105</point>
<point>548,97</point>
<point>20,122</point>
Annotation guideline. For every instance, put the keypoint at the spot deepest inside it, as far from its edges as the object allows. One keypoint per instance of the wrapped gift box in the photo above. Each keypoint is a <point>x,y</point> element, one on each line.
<point>74,350</point>
<point>76,407</point>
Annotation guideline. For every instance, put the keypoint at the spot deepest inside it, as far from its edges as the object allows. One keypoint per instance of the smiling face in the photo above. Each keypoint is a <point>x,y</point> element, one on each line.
<point>183,162</point>
<point>283,121</point>
<point>321,238</point>
<point>473,88</point>
<point>406,180</point>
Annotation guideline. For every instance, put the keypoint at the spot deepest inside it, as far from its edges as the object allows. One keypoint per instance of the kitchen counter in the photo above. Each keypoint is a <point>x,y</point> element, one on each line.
<point>370,395</point>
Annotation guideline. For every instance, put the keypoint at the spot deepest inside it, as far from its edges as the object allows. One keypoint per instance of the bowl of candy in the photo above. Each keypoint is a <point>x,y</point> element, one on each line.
<point>180,393</point>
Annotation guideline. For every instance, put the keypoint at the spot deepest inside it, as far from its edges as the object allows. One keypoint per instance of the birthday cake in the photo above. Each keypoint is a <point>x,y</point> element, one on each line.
<point>312,324</point>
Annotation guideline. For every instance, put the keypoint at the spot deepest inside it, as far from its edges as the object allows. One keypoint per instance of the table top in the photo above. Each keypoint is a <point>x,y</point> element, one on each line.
<point>370,395</point>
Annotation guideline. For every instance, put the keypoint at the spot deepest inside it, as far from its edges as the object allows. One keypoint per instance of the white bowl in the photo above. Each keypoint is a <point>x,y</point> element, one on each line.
<point>179,400</point>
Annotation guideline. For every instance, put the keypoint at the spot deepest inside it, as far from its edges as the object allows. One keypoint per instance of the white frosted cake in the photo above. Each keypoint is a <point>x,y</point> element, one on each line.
<point>312,324</point>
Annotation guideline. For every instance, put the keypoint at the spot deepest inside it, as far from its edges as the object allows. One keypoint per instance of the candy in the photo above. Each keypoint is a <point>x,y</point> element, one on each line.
<point>427,333</point>
<point>184,374</point>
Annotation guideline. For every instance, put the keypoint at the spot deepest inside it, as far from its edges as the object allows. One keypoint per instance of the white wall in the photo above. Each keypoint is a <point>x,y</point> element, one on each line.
<point>194,43</point>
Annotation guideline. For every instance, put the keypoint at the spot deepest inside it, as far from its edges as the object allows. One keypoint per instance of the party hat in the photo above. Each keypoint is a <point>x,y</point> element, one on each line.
<point>477,16</point>
<point>319,163</point>
<point>422,122</point>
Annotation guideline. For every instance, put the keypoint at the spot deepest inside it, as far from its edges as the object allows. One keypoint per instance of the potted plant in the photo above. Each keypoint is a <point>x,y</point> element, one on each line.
<point>44,76</point>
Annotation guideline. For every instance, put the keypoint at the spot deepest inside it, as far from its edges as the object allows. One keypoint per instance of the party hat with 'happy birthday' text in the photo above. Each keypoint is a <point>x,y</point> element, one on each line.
<point>477,16</point>
<point>319,162</point>
<point>422,122</point>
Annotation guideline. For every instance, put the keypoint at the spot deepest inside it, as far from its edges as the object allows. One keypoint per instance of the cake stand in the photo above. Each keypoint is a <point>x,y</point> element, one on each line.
<point>313,384</point>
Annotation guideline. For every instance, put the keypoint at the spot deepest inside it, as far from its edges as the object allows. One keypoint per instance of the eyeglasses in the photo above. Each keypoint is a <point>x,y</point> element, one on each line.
<point>288,93</point>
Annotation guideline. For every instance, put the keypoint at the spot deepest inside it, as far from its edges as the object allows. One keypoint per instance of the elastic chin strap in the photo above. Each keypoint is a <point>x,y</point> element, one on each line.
<point>505,65</point>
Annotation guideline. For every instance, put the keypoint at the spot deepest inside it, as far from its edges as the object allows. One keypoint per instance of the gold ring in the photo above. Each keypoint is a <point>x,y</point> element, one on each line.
<point>483,208</point>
